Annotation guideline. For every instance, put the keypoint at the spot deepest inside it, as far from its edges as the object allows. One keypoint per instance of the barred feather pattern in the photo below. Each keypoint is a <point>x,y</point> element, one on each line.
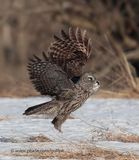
<point>52,76</point>
<point>81,95</point>
<point>71,51</point>
<point>69,100</point>
<point>48,78</point>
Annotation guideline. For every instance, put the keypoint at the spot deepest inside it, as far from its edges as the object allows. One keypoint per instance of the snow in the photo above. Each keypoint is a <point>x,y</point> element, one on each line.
<point>91,123</point>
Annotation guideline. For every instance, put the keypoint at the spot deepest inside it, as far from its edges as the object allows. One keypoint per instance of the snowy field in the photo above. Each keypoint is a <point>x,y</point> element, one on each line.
<point>96,123</point>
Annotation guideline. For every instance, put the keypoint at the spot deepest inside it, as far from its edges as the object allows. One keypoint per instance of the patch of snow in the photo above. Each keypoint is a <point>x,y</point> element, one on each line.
<point>91,123</point>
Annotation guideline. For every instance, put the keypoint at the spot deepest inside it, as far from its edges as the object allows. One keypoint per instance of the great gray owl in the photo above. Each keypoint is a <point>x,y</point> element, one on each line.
<point>55,75</point>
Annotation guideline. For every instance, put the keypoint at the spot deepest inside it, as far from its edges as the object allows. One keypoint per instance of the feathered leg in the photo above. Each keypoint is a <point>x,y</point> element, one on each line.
<point>59,120</point>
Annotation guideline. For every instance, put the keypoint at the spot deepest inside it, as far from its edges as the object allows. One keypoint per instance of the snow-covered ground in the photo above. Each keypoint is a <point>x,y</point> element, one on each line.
<point>91,124</point>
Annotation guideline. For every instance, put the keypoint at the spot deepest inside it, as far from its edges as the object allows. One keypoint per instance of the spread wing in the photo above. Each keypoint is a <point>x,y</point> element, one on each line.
<point>71,51</point>
<point>47,77</point>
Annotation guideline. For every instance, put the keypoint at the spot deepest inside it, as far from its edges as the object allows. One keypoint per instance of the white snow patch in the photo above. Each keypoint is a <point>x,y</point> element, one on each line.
<point>92,122</point>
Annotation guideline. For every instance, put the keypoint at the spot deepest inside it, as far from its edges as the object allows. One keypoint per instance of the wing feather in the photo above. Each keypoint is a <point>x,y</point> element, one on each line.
<point>71,51</point>
<point>48,78</point>
<point>64,35</point>
<point>72,34</point>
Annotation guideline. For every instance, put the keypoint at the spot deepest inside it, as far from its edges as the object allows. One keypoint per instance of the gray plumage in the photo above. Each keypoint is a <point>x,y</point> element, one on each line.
<point>50,77</point>
<point>47,77</point>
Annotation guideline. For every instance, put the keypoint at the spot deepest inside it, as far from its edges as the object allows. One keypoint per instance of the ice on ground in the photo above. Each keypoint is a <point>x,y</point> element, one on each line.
<point>91,123</point>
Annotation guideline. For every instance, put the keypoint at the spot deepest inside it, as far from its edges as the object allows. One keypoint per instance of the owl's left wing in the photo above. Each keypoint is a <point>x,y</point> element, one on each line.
<point>47,77</point>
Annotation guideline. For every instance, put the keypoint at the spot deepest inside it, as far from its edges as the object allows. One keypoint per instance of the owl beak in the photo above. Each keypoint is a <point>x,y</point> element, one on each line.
<point>96,85</point>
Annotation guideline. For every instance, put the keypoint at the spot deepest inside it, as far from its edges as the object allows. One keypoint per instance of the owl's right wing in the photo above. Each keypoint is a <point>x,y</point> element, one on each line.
<point>47,77</point>
<point>71,51</point>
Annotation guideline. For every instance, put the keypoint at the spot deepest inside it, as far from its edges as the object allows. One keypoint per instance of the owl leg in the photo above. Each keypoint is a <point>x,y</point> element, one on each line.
<point>58,121</point>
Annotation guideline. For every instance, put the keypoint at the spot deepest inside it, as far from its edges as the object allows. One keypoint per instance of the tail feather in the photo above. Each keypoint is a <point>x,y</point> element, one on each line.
<point>48,108</point>
<point>34,109</point>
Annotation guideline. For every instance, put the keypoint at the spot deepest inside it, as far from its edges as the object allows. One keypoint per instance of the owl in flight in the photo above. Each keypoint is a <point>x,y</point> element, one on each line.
<point>59,74</point>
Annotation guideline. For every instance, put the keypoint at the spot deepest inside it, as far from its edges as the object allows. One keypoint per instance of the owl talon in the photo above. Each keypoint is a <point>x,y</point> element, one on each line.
<point>56,124</point>
<point>58,128</point>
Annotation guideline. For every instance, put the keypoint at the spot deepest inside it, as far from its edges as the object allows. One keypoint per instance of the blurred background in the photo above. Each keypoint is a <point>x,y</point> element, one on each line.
<point>27,27</point>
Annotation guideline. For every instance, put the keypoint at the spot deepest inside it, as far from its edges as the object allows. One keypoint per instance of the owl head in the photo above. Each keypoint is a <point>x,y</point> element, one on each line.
<point>89,82</point>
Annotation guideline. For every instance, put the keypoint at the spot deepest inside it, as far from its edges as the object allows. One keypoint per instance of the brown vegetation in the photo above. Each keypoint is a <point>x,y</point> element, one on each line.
<point>127,138</point>
<point>40,138</point>
<point>27,28</point>
<point>4,118</point>
<point>83,154</point>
